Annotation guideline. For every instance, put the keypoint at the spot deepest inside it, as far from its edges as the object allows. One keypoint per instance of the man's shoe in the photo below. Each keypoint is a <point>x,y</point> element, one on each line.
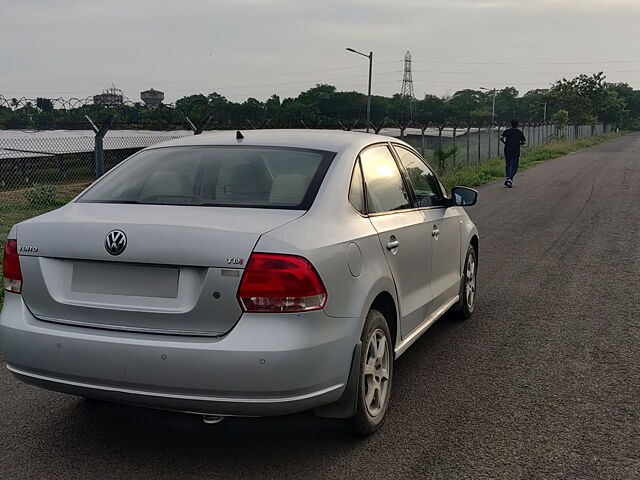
<point>506,182</point>
<point>509,183</point>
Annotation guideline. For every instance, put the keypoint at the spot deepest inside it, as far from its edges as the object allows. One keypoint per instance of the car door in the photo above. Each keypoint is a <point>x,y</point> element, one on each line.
<point>402,232</point>
<point>443,224</point>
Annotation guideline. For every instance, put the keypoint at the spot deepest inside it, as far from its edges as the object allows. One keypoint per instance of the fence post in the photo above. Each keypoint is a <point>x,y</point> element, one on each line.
<point>468,145</point>
<point>490,133</point>
<point>540,134</point>
<point>380,126</point>
<point>455,145</point>
<point>479,132</point>
<point>99,144</point>
<point>423,138</point>
<point>200,128</point>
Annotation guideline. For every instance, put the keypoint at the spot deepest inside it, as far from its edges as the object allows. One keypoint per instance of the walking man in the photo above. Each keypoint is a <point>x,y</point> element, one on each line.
<point>512,138</point>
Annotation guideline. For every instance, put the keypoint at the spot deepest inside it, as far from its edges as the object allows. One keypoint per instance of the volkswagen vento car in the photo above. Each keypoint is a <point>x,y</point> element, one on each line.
<point>241,275</point>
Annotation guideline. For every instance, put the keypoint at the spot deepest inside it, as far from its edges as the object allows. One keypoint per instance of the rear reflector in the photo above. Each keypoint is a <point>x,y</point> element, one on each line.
<point>280,283</point>
<point>11,268</point>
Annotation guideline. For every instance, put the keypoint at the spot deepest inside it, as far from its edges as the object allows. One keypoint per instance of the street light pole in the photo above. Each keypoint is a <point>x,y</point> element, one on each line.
<point>369,91</point>
<point>493,108</point>
<point>493,104</point>
<point>370,57</point>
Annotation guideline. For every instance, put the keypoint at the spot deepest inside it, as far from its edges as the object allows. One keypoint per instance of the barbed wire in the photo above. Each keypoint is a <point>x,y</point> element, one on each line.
<point>71,103</point>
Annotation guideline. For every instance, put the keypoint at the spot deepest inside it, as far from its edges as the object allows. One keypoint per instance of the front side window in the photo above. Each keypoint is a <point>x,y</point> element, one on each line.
<point>385,190</point>
<point>238,176</point>
<point>424,182</point>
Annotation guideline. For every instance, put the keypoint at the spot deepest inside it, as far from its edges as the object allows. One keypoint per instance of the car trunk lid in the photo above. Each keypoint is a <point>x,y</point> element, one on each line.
<point>178,272</point>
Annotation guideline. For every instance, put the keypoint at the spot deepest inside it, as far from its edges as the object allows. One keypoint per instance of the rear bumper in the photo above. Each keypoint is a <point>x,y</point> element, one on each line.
<point>267,365</point>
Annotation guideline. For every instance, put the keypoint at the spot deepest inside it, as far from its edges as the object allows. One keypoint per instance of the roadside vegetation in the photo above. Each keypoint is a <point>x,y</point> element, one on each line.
<point>493,169</point>
<point>21,205</point>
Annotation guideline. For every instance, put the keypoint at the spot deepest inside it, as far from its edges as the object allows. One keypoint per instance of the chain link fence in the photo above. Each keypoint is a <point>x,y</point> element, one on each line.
<point>42,170</point>
<point>447,147</point>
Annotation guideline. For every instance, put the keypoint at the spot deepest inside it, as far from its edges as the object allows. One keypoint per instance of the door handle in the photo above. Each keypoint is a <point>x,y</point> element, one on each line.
<point>435,232</point>
<point>393,244</point>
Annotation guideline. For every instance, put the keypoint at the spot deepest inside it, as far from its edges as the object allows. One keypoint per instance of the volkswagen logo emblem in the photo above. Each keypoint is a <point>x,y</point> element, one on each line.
<point>116,242</point>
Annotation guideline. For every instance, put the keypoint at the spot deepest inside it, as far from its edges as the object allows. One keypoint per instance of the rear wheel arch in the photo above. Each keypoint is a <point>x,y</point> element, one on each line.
<point>346,407</point>
<point>386,305</point>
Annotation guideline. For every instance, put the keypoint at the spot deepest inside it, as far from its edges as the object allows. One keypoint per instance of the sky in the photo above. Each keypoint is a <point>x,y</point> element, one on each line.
<point>256,48</point>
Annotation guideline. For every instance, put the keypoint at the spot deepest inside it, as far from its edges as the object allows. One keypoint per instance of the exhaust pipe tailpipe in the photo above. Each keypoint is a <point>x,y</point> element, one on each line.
<point>212,419</point>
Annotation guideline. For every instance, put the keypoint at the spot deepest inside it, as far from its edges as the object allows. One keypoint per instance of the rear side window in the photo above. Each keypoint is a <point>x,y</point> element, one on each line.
<point>384,186</point>
<point>238,176</point>
<point>356,192</point>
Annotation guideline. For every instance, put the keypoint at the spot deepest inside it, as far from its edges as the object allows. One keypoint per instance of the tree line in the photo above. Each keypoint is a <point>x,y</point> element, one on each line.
<point>585,99</point>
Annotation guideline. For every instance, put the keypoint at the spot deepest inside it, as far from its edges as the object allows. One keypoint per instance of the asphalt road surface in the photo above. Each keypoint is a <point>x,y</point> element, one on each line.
<point>543,382</point>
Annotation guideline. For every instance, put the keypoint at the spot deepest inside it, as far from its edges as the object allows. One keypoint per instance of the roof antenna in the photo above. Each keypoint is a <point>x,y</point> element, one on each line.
<point>239,136</point>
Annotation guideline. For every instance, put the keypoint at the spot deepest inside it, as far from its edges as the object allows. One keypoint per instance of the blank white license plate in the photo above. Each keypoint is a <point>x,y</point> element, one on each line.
<point>125,279</point>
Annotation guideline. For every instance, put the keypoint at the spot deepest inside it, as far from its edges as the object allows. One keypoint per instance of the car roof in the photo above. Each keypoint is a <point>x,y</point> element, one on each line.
<point>328,140</point>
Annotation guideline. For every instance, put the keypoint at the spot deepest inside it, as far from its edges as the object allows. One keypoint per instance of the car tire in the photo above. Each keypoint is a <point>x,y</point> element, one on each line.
<point>465,306</point>
<point>375,377</point>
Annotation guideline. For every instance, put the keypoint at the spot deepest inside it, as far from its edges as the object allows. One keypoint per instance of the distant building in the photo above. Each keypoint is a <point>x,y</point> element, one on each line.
<point>152,98</point>
<point>110,97</point>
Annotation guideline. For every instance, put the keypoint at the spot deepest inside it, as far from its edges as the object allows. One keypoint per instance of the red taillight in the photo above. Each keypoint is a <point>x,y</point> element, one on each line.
<point>11,268</point>
<point>280,283</point>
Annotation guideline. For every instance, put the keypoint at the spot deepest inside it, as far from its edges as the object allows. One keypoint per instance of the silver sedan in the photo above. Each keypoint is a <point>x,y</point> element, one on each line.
<point>241,275</point>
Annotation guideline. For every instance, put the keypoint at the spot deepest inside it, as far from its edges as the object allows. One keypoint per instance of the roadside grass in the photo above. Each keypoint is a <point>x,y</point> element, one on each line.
<point>16,211</point>
<point>493,169</point>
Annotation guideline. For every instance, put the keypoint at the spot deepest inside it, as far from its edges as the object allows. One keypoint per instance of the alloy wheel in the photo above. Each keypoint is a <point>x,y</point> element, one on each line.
<point>470,282</point>
<point>376,373</point>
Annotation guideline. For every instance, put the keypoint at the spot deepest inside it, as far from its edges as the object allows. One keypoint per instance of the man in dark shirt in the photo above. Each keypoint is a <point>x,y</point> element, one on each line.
<point>512,139</point>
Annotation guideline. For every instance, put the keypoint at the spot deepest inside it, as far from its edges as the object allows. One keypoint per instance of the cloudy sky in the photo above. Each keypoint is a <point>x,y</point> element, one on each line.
<point>242,48</point>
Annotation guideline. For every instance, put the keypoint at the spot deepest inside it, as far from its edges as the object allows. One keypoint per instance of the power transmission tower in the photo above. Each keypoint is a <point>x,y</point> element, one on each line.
<point>408,98</point>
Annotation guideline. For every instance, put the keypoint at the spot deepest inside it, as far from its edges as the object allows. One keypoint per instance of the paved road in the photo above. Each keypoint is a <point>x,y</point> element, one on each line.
<point>544,382</point>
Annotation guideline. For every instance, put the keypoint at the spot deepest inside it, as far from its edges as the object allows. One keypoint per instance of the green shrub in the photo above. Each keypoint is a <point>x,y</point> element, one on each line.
<point>42,196</point>
<point>442,154</point>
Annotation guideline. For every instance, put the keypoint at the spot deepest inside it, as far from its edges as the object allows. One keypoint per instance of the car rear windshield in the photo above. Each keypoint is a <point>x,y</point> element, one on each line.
<point>234,176</point>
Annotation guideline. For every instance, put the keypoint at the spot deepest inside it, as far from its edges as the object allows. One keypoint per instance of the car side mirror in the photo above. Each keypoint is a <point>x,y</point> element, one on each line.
<point>463,196</point>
